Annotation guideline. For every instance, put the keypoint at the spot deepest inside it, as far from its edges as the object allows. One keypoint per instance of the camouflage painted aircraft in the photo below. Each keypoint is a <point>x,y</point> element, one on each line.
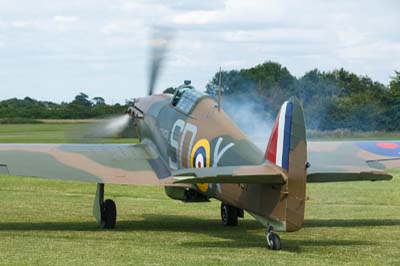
<point>196,152</point>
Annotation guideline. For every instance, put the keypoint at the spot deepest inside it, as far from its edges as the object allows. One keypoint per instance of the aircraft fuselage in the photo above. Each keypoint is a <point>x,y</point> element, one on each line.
<point>201,136</point>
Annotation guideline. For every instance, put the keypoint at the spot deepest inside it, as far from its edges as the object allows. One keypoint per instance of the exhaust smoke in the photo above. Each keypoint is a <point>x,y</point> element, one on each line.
<point>251,118</point>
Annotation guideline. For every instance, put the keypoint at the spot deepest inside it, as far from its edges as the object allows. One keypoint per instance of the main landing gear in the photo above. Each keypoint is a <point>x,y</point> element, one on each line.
<point>273,240</point>
<point>230,214</point>
<point>105,212</point>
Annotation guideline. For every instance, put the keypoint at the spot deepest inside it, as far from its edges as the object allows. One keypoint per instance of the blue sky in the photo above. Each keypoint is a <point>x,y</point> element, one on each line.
<point>52,50</point>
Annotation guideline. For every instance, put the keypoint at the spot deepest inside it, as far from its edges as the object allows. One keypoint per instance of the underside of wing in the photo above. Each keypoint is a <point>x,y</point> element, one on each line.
<point>257,174</point>
<point>98,163</point>
<point>352,161</point>
<point>343,177</point>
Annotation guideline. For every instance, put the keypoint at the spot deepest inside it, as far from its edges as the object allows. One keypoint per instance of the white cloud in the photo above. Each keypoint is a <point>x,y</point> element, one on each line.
<point>165,6</point>
<point>60,23</point>
<point>105,43</point>
<point>294,35</point>
<point>143,7</point>
<point>377,50</point>
<point>22,24</point>
<point>198,17</point>
<point>235,11</point>
<point>232,64</point>
<point>122,27</point>
<point>64,19</point>
<point>190,4</point>
<point>53,24</point>
<point>179,60</point>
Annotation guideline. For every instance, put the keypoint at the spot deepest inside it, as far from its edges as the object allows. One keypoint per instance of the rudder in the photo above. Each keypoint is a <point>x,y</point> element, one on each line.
<point>287,148</point>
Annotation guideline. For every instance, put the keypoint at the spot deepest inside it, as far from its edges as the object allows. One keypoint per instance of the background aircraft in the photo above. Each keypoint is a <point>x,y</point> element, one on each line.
<point>192,148</point>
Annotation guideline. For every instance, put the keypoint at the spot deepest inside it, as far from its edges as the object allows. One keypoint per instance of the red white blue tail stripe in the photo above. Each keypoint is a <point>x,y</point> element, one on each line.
<point>279,142</point>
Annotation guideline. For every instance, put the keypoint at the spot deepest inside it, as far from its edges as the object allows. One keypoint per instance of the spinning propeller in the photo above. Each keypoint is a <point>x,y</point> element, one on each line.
<point>118,125</point>
<point>159,43</point>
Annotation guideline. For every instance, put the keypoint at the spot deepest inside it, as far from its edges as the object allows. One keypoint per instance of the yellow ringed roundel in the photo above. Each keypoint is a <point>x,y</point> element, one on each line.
<point>200,158</point>
<point>200,155</point>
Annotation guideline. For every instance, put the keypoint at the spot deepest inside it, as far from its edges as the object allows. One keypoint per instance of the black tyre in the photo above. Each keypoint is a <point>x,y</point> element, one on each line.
<point>108,214</point>
<point>273,241</point>
<point>229,215</point>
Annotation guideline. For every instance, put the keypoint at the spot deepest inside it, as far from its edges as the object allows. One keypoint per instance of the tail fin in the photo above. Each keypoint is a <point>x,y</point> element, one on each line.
<point>279,142</point>
<point>287,148</point>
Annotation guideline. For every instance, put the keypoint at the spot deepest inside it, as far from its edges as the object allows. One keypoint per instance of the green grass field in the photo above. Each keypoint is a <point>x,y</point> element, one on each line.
<point>46,222</point>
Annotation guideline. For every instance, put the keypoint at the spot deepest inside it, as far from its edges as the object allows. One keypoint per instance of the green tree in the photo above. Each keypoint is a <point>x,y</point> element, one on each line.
<point>98,101</point>
<point>391,116</point>
<point>82,99</point>
<point>394,84</point>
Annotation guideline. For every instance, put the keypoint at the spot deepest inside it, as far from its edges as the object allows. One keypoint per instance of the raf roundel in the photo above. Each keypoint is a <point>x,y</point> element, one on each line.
<point>385,148</point>
<point>200,158</point>
<point>387,145</point>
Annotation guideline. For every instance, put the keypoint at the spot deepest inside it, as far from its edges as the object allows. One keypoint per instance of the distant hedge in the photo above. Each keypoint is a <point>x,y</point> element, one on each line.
<point>19,120</point>
<point>80,108</point>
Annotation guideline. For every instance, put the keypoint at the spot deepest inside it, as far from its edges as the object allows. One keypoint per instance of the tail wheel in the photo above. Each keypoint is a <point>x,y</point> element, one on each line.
<point>273,240</point>
<point>229,215</point>
<point>108,214</point>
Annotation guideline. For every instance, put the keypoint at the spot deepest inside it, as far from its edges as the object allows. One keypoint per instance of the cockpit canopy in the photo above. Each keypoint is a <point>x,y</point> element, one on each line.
<point>186,97</point>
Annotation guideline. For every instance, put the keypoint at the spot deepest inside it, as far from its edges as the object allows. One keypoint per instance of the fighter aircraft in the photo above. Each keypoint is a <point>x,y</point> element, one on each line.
<point>189,145</point>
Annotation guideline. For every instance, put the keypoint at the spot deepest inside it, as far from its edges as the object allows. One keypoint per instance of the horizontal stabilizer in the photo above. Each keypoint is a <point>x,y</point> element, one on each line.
<point>343,177</point>
<point>258,174</point>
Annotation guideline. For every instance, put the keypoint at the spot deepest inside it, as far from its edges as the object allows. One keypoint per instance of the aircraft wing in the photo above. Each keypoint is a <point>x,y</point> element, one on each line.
<point>98,163</point>
<point>119,164</point>
<point>141,165</point>
<point>352,160</point>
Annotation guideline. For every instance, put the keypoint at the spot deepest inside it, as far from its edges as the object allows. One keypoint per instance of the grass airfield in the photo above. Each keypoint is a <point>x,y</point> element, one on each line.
<point>47,222</point>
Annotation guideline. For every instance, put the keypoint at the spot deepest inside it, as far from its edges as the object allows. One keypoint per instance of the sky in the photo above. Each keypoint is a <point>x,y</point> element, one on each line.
<point>52,50</point>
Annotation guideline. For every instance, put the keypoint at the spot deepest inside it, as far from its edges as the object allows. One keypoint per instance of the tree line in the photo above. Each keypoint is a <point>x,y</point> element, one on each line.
<point>331,100</point>
<point>80,108</point>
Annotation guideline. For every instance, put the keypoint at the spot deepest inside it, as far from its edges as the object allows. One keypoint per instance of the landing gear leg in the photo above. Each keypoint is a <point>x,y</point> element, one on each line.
<point>105,212</point>
<point>230,214</point>
<point>273,240</point>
